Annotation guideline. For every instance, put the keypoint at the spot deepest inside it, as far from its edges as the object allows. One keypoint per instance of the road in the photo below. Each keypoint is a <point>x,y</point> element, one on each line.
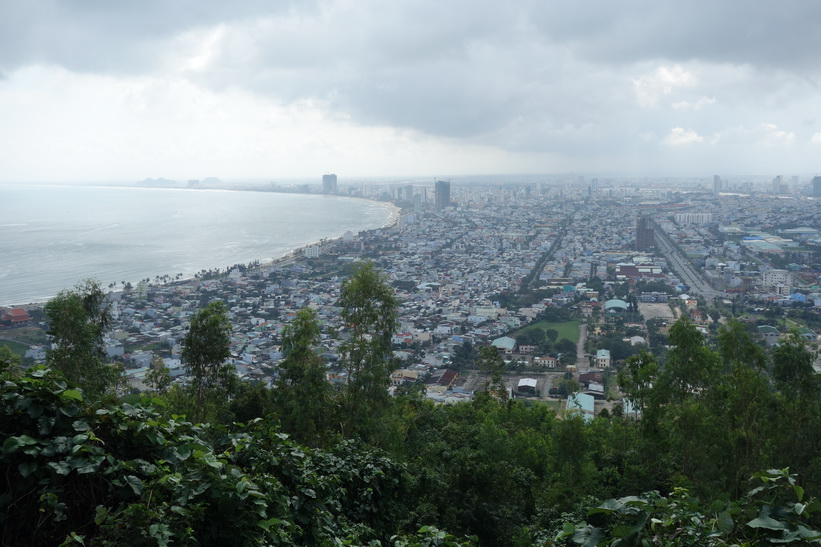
<point>683,268</point>
<point>582,362</point>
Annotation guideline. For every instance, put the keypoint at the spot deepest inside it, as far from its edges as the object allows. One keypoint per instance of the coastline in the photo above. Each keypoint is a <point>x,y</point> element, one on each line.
<point>294,255</point>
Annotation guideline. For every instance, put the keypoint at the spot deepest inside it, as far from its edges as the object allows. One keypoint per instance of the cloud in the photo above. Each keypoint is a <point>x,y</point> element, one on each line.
<point>679,136</point>
<point>698,105</point>
<point>734,31</point>
<point>581,85</point>
<point>663,81</point>
<point>816,138</point>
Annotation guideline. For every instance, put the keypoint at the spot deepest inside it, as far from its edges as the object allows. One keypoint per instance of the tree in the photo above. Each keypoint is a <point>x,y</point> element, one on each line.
<point>205,349</point>
<point>303,394</point>
<point>159,377</point>
<point>77,322</point>
<point>491,363</point>
<point>792,366</point>
<point>637,377</point>
<point>9,362</point>
<point>369,314</point>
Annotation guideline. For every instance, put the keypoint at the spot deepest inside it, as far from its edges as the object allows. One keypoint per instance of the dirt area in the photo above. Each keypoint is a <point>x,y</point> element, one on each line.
<point>474,380</point>
<point>654,310</point>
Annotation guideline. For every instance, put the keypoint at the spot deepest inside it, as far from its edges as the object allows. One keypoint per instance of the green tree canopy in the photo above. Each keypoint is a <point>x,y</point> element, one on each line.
<point>205,349</point>
<point>303,394</point>
<point>77,322</point>
<point>369,313</point>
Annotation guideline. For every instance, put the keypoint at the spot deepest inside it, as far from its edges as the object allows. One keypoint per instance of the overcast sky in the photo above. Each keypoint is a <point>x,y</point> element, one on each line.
<point>99,90</point>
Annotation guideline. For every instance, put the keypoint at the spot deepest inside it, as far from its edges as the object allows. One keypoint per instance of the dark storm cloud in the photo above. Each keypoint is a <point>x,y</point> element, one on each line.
<point>732,31</point>
<point>598,77</point>
<point>104,36</point>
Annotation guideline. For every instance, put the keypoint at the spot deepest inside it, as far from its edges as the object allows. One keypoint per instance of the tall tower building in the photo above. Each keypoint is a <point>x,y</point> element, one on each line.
<point>778,182</point>
<point>329,184</point>
<point>442,194</point>
<point>717,187</point>
<point>644,234</point>
<point>816,187</point>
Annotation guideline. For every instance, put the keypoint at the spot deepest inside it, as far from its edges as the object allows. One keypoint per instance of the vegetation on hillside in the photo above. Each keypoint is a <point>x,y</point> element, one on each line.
<point>719,445</point>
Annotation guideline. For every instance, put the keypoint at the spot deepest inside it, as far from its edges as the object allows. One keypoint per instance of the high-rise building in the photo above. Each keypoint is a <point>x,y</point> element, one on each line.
<point>816,187</point>
<point>329,184</point>
<point>442,194</point>
<point>717,186</point>
<point>644,234</point>
<point>778,183</point>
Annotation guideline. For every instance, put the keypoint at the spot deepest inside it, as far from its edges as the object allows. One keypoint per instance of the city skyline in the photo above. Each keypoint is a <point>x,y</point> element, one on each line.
<point>101,92</point>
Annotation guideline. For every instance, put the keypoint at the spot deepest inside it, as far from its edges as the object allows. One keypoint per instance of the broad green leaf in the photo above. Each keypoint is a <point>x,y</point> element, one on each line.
<point>266,524</point>
<point>766,522</point>
<point>725,523</point>
<point>11,444</point>
<point>27,468</point>
<point>135,483</point>
<point>609,506</point>
<point>72,394</point>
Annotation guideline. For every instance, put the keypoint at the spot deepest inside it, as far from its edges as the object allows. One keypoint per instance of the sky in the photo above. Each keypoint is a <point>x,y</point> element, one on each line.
<point>94,90</point>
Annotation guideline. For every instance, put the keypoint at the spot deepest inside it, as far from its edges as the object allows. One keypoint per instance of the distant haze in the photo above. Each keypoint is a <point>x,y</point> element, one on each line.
<point>93,91</point>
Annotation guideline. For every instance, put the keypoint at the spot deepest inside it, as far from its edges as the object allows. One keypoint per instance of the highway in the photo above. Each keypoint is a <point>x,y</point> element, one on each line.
<point>683,268</point>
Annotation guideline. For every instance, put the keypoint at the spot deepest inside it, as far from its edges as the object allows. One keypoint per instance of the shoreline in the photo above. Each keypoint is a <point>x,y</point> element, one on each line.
<point>292,255</point>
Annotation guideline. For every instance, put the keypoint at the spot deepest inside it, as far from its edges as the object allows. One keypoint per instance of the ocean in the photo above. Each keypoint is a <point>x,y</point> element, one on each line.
<point>52,237</point>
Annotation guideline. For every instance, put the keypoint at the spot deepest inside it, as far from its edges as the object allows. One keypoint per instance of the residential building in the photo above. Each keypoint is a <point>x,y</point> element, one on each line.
<point>644,234</point>
<point>329,184</point>
<point>442,194</point>
<point>602,358</point>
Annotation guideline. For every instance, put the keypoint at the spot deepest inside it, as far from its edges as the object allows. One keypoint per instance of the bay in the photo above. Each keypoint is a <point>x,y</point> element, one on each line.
<point>52,237</point>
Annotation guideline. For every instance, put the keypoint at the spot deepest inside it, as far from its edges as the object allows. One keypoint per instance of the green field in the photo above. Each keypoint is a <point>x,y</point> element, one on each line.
<point>566,329</point>
<point>28,335</point>
<point>16,347</point>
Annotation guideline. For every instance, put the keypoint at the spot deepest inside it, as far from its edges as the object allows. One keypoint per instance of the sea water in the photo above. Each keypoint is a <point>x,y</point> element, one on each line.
<point>52,237</point>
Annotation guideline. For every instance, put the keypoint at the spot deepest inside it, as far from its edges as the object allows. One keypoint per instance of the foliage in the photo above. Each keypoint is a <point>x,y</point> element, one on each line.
<point>492,365</point>
<point>369,314</point>
<point>159,377</point>
<point>303,397</point>
<point>205,349</point>
<point>773,513</point>
<point>77,321</point>
<point>9,361</point>
<point>124,475</point>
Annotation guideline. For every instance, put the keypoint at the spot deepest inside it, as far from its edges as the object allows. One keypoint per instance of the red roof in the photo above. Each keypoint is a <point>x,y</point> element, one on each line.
<point>17,315</point>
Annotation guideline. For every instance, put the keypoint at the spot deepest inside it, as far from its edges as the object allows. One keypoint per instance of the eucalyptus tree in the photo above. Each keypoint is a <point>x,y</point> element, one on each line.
<point>303,394</point>
<point>369,313</point>
<point>78,320</point>
<point>205,352</point>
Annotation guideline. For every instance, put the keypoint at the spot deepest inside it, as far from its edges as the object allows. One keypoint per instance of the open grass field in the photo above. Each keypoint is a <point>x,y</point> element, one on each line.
<point>16,347</point>
<point>566,329</point>
<point>28,335</point>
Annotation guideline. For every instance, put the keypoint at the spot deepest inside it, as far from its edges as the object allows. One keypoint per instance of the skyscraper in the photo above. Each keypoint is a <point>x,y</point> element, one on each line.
<point>329,184</point>
<point>717,186</point>
<point>816,187</point>
<point>644,234</point>
<point>442,195</point>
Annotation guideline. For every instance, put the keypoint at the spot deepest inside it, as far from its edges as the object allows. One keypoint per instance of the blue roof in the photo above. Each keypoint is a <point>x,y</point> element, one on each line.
<point>581,402</point>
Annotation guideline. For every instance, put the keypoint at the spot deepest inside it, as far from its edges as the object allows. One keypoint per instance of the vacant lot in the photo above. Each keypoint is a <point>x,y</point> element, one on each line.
<point>566,329</point>
<point>653,310</point>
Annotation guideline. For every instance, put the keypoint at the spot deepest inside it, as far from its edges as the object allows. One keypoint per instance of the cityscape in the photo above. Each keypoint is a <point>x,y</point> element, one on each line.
<point>477,264</point>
